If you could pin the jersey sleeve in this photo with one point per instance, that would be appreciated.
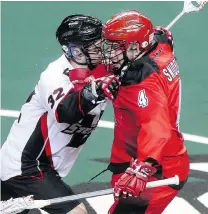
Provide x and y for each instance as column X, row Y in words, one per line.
column 62, row 100
column 152, row 118
column 51, row 90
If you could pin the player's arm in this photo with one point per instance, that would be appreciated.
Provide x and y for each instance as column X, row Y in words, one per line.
column 69, row 103
column 78, row 103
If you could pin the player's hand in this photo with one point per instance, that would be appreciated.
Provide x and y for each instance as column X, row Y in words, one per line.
column 166, row 34
column 134, row 180
column 107, row 86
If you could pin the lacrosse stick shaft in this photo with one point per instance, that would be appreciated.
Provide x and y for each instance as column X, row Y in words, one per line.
column 168, row 181
column 19, row 204
column 175, row 19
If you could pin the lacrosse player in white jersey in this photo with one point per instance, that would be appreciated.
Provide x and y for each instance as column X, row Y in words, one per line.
column 58, row 117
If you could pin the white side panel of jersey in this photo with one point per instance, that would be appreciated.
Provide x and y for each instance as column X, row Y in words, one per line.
column 19, row 135
column 31, row 112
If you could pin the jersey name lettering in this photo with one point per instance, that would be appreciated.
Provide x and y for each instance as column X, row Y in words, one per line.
column 78, row 128
column 171, row 71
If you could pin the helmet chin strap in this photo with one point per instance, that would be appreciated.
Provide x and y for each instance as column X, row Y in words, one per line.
column 88, row 59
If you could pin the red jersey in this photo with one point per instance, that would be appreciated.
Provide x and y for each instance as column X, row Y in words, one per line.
column 147, row 112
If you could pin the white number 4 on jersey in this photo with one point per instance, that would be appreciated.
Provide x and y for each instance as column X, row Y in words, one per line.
column 142, row 99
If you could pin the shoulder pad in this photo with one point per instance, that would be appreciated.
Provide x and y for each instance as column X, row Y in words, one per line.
column 139, row 70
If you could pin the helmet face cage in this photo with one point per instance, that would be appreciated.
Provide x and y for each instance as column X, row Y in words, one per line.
column 114, row 55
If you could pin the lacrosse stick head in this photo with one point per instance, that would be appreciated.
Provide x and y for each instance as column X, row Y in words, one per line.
column 17, row 205
column 193, row 6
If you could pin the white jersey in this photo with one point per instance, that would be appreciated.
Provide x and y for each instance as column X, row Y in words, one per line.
column 36, row 140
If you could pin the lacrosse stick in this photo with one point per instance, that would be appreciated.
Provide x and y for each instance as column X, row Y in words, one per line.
column 188, row 8
column 17, row 205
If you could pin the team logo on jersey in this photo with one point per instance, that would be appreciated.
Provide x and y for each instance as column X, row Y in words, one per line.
column 85, row 126
column 78, row 128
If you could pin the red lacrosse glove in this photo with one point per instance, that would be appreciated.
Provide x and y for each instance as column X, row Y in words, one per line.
column 108, row 86
column 134, row 180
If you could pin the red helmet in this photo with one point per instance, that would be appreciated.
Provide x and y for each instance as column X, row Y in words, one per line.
column 129, row 26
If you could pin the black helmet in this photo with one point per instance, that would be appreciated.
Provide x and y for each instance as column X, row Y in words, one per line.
column 79, row 30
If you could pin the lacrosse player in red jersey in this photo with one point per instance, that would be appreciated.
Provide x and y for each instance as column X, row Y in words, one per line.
column 148, row 144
